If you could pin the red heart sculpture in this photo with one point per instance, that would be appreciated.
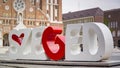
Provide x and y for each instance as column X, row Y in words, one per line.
column 18, row 39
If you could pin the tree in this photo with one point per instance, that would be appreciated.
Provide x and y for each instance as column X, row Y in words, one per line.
column 106, row 22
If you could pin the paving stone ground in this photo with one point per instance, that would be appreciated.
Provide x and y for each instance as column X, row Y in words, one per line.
column 113, row 61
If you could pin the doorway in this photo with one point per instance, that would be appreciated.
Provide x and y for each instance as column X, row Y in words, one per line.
column 6, row 39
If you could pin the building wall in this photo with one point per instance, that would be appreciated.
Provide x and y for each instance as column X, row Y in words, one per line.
column 99, row 19
column 112, row 17
column 82, row 20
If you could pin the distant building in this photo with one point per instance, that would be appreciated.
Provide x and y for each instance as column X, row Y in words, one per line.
column 84, row 16
column 112, row 19
column 36, row 13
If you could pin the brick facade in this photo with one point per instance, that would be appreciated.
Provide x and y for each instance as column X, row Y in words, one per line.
column 37, row 13
column 112, row 18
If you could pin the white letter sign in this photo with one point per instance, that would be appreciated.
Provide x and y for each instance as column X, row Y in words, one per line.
column 83, row 42
column 93, row 43
column 26, row 44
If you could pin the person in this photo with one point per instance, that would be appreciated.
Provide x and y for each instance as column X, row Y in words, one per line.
column 81, row 46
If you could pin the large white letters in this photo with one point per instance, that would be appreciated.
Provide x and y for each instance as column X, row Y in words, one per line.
column 83, row 42
column 19, row 43
column 26, row 44
column 37, row 47
column 88, row 42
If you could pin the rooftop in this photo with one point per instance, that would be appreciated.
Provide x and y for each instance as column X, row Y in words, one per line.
column 83, row 13
column 117, row 9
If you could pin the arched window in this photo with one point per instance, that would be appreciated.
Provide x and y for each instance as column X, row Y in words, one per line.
column 5, row 40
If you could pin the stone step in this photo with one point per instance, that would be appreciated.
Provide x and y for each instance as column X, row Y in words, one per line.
column 63, row 63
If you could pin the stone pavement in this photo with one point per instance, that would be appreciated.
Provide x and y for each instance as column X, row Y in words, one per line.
column 113, row 62
column 45, row 66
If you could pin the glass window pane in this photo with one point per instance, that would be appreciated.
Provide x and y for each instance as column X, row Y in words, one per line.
column 118, row 33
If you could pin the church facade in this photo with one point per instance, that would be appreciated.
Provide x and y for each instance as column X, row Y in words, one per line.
column 35, row 13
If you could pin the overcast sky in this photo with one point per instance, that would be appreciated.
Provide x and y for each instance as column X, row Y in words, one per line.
column 75, row 5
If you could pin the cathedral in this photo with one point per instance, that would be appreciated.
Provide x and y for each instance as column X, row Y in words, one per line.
column 35, row 13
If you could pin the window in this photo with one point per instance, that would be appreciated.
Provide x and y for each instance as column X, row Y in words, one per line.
column 0, row 21
column 33, row 2
column 28, row 23
column 45, row 23
column 40, row 23
column 55, row 1
column 6, row 29
column 15, row 22
column 91, row 19
column 41, row 4
column 56, row 7
column 56, row 12
column 31, row 22
column 6, row 22
column 109, row 16
column 118, row 33
column 47, row 7
column 9, row 22
column 111, row 25
column 3, row 22
column 37, row 0
column 4, row 1
column 113, row 33
column 47, row 1
column 116, row 24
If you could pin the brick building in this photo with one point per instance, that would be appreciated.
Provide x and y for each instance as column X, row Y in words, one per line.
column 112, row 19
column 84, row 16
column 35, row 13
